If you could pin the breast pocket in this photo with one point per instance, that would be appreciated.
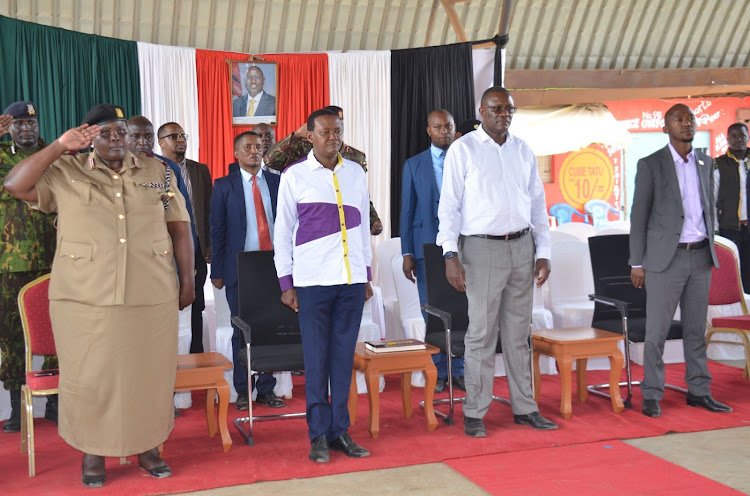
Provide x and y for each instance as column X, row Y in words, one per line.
column 88, row 192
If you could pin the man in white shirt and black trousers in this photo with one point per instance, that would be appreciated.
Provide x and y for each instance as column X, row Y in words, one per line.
column 323, row 259
column 493, row 221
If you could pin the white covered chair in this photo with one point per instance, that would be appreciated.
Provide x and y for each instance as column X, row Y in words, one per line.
column 578, row 229
column 570, row 284
column 410, row 313
column 384, row 253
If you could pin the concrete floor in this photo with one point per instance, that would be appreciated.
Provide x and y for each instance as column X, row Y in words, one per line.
column 721, row 455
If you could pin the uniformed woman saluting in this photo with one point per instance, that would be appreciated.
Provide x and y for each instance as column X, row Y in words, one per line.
column 114, row 291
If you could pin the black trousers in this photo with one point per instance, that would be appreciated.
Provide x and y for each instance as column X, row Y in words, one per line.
column 742, row 239
column 196, row 317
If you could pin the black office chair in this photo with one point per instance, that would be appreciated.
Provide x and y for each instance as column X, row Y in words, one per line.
column 447, row 321
column 618, row 305
column 270, row 329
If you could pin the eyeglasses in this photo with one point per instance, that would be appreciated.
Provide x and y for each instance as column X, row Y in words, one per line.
column 499, row 109
column 175, row 136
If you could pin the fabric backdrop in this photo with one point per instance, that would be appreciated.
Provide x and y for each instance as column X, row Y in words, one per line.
column 168, row 90
column 361, row 85
column 302, row 86
column 65, row 73
column 423, row 79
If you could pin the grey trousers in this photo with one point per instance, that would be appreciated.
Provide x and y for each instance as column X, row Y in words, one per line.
column 499, row 280
column 686, row 281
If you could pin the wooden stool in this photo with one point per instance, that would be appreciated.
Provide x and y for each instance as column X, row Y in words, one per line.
column 206, row 371
column 404, row 362
column 580, row 344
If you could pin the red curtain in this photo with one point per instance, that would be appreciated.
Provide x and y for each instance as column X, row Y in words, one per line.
column 302, row 87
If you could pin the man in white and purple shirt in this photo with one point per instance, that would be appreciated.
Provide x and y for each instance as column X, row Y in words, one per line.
column 323, row 259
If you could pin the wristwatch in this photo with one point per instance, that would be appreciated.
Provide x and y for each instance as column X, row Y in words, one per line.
column 449, row 254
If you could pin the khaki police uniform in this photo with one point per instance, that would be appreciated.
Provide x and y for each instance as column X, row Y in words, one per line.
column 113, row 301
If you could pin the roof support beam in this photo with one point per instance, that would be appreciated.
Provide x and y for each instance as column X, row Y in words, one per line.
column 556, row 87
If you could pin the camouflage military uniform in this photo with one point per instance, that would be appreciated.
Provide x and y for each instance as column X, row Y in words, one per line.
column 27, row 247
column 291, row 149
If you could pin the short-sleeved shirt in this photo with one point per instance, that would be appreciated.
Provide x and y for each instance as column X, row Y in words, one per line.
column 27, row 237
column 113, row 247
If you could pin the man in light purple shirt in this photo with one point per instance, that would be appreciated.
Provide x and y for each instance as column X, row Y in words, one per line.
column 672, row 251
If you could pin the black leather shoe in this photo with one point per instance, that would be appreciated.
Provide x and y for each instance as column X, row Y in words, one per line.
column 242, row 402
column 351, row 449
column 270, row 399
column 319, row 450
column 651, row 408
column 474, row 427
column 50, row 410
column 535, row 420
column 439, row 386
column 708, row 403
column 159, row 469
column 458, row 382
column 13, row 424
column 176, row 412
column 92, row 463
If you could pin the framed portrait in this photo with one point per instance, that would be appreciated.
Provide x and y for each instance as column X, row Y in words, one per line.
column 253, row 86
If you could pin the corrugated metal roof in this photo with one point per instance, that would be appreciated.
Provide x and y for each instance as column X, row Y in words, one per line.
column 544, row 34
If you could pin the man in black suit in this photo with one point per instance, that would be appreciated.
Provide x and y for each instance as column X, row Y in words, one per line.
column 255, row 102
column 672, row 252
column 173, row 143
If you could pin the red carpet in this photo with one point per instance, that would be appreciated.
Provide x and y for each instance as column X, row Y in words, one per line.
column 281, row 446
column 596, row 469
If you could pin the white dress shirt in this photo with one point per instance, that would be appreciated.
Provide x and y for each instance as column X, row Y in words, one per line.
column 256, row 99
column 693, row 226
column 491, row 189
column 319, row 236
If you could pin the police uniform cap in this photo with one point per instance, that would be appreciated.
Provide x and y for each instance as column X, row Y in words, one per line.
column 104, row 113
column 468, row 126
column 337, row 110
column 22, row 110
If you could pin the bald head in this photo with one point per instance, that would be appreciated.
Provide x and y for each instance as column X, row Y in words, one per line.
column 441, row 128
column 140, row 139
column 674, row 109
column 489, row 92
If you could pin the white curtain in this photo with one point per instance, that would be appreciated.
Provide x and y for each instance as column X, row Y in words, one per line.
column 169, row 92
column 483, row 62
column 360, row 83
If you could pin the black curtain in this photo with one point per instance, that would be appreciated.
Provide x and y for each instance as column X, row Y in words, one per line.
column 423, row 79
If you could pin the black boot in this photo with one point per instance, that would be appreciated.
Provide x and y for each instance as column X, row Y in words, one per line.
column 50, row 412
column 13, row 424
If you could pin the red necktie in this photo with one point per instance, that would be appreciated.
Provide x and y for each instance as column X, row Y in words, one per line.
column 264, row 234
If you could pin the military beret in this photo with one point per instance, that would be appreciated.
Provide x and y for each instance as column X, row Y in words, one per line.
column 22, row 110
column 104, row 113
column 336, row 109
column 468, row 126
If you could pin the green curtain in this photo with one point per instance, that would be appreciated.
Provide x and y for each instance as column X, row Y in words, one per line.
column 65, row 73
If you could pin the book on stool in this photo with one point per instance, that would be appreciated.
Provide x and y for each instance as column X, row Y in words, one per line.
column 394, row 345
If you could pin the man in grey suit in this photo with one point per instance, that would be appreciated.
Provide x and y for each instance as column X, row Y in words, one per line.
column 672, row 251
column 255, row 102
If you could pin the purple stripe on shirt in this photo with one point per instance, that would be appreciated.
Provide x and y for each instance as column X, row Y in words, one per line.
column 318, row 220
column 369, row 273
column 285, row 283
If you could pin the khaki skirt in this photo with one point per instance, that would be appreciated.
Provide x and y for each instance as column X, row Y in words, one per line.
column 117, row 375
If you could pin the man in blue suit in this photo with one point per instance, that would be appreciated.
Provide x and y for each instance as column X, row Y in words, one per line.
column 243, row 209
column 420, row 195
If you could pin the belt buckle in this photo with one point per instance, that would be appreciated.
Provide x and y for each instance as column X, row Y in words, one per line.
column 688, row 246
column 507, row 236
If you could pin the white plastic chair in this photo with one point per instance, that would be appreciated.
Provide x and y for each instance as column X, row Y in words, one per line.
column 571, row 282
column 384, row 253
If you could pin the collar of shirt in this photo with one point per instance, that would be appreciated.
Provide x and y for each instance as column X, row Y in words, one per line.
column 256, row 97
column 436, row 153
column 130, row 161
column 678, row 158
column 483, row 136
column 313, row 163
column 247, row 177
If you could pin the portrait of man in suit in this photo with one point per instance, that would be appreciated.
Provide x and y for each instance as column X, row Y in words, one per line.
column 257, row 102
column 671, row 255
